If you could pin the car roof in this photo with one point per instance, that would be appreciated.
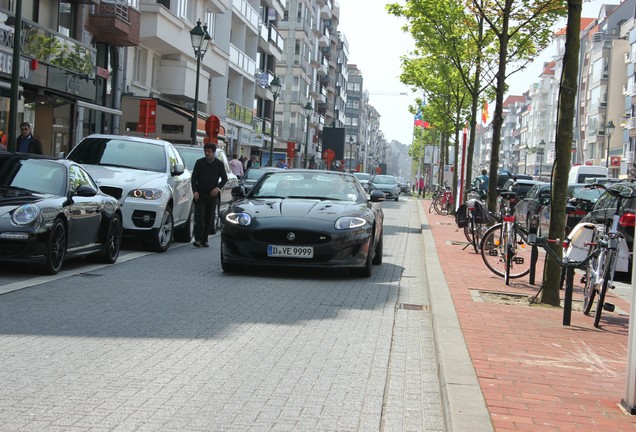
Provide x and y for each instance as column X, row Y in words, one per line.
column 129, row 138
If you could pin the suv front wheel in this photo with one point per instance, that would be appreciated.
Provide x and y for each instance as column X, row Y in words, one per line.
column 161, row 237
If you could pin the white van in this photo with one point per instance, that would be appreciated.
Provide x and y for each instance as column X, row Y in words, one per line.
column 579, row 173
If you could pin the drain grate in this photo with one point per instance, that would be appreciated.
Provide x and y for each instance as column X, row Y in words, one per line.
column 409, row 306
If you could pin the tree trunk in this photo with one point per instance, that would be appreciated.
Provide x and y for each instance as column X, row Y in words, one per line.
column 565, row 121
column 497, row 120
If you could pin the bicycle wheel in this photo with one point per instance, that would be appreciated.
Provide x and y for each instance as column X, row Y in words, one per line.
column 493, row 252
column 608, row 276
column 589, row 289
column 440, row 206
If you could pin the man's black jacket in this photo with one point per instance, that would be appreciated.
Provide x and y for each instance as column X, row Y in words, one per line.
column 207, row 175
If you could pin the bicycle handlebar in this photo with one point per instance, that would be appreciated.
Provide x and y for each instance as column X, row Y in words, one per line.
column 613, row 192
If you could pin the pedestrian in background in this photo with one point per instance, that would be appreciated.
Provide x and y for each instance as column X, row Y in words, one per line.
column 421, row 187
column 236, row 166
column 208, row 178
column 26, row 142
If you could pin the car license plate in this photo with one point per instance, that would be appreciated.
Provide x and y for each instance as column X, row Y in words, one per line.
column 290, row 251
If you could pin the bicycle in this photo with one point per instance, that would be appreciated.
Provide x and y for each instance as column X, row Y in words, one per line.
column 444, row 204
column 504, row 245
column 437, row 191
column 568, row 263
column 606, row 245
column 473, row 217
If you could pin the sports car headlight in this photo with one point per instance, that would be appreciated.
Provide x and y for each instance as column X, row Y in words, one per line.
column 239, row 218
column 25, row 214
column 349, row 222
column 149, row 194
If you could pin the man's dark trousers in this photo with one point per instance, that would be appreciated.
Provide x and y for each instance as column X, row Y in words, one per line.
column 204, row 217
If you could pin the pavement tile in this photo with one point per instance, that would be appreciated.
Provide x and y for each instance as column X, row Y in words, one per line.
column 535, row 373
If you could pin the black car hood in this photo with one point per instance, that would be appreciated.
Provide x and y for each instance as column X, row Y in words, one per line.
column 11, row 199
column 300, row 208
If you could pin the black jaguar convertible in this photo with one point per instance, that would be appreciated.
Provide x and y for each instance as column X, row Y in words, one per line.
column 304, row 218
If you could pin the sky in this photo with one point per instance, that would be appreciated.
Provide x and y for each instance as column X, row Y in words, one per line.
column 376, row 44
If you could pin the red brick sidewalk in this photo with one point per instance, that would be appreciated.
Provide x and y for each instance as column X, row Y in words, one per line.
column 535, row 373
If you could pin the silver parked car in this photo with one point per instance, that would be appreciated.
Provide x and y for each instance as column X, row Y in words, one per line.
column 149, row 179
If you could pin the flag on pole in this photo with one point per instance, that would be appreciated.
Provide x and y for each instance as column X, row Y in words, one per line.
column 418, row 121
column 484, row 113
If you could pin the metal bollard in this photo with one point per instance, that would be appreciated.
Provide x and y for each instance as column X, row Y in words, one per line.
column 533, row 228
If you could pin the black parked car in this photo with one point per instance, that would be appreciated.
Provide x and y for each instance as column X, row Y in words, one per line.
column 304, row 218
column 51, row 210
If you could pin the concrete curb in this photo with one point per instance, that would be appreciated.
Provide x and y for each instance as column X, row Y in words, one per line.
column 463, row 402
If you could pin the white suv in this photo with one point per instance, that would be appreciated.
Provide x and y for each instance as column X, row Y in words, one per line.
column 149, row 179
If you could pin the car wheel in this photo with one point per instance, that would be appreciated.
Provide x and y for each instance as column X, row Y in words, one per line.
column 377, row 257
column 112, row 243
column 185, row 232
column 226, row 266
column 55, row 248
column 365, row 271
column 162, row 237
column 397, row 198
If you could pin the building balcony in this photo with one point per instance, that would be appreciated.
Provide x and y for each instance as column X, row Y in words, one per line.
column 115, row 23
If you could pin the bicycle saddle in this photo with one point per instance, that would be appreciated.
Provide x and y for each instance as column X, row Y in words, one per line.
column 508, row 194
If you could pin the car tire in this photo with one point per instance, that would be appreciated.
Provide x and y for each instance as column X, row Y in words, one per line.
column 55, row 248
column 226, row 266
column 161, row 237
column 112, row 242
column 185, row 232
column 377, row 257
column 397, row 198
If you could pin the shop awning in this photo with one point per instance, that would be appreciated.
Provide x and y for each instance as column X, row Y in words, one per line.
column 99, row 108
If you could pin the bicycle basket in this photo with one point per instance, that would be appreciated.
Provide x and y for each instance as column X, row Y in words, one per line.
column 461, row 217
column 481, row 212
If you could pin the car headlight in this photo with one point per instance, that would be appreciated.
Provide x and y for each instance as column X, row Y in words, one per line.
column 147, row 193
column 25, row 214
column 349, row 222
column 239, row 218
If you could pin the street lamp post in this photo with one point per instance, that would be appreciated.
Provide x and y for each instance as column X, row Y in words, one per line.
column 540, row 152
column 609, row 129
column 274, row 86
column 525, row 158
column 200, row 42
column 308, row 111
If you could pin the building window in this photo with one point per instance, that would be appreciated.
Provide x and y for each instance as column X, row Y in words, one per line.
column 140, row 61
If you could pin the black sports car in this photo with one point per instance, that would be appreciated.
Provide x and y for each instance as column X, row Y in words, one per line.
column 304, row 218
column 52, row 209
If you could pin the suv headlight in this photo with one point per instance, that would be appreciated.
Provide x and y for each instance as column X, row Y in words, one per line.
column 146, row 193
column 25, row 214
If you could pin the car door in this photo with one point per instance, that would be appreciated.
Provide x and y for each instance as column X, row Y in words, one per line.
column 180, row 185
column 85, row 212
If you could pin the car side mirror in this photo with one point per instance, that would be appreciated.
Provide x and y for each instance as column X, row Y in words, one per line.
column 377, row 196
column 238, row 192
column 178, row 169
column 85, row 191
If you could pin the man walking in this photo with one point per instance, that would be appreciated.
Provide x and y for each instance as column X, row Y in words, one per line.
column 206, row 186
column 26, row 142
column 236, row 166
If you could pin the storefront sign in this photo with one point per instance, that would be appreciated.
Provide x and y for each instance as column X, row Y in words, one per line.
column 68, row 82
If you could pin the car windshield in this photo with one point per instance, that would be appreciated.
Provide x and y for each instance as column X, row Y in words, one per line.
column 40, row 176
column 384, row 179
column 362, row 176
column 122, row 153
column 586, row 194
column 319, row 185
column 254, row 173
column 191, row 155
